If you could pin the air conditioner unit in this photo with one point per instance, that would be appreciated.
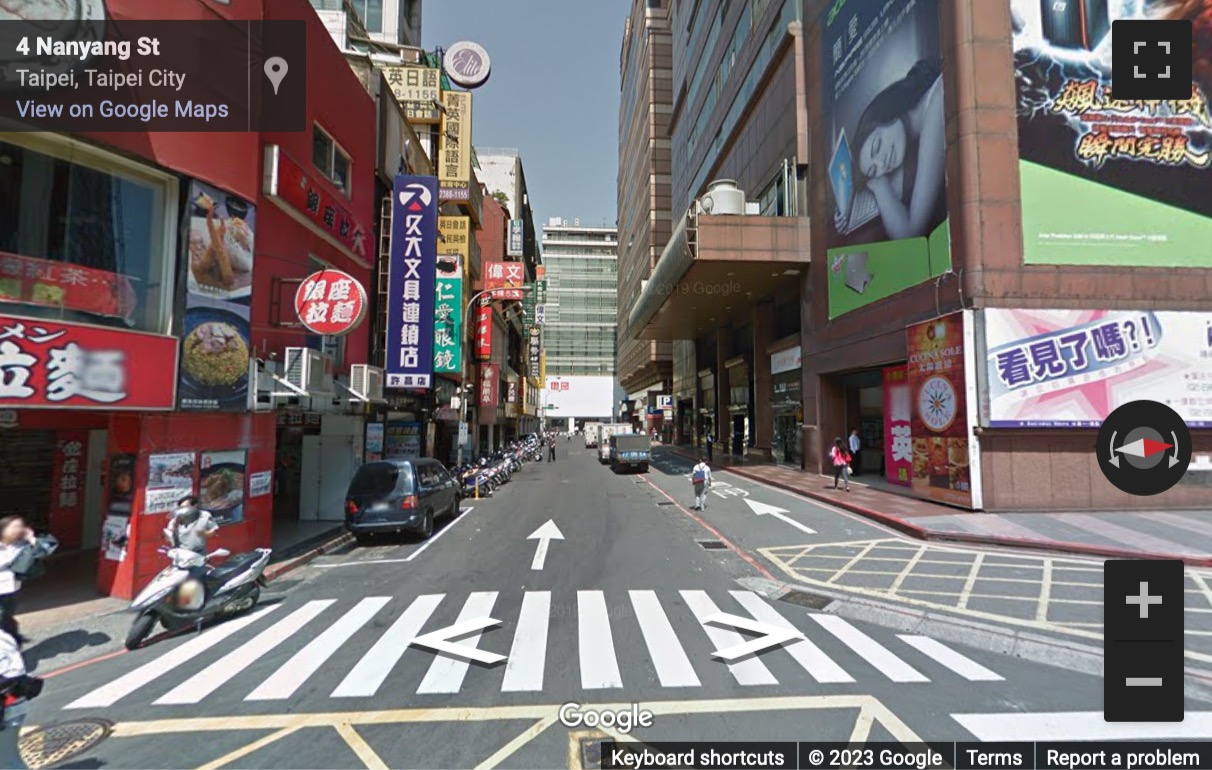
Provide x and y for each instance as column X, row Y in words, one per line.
column 723, row 197
column 366, row 382
column 304, row 369
column 264, row 385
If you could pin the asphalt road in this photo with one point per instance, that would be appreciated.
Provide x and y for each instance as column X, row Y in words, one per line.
column 323, row 674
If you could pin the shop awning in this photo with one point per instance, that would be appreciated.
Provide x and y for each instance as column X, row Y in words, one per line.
column 716, row 268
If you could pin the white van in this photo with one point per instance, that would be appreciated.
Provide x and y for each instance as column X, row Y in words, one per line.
column 591, row 434
column 604, row 434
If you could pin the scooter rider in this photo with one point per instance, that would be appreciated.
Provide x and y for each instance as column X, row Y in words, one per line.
column 190, row 526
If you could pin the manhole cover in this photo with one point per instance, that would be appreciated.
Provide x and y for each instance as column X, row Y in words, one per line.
column 804, row 599
column 51, row 745
column 712, row 545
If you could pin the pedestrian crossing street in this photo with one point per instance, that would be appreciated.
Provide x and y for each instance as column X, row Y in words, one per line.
column 641, row 640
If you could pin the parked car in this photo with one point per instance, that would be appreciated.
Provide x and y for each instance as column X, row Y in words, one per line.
column 399, row 496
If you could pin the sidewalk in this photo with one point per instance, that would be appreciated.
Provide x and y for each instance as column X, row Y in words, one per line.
column 74, row 624
column 1185, row 535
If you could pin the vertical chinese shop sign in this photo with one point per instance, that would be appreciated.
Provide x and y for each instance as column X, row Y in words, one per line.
column 898, row 429
column 454, row 249
column 940, row 429
column 448, row 316
column 484, row 329
column 411, row 284
column 67, row 487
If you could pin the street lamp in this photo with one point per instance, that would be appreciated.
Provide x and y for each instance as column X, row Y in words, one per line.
column 464, row 357
column 543, row 407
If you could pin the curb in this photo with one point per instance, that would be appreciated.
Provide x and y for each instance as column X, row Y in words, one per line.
column 1040, row 647
column 275, row 571
column 923, row 533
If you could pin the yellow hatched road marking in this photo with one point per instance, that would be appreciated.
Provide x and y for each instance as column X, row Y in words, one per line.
column 869, row 709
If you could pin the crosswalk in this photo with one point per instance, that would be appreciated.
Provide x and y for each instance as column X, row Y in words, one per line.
column 638, row 638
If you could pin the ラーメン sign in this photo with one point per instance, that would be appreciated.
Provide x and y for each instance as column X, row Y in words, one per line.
column 330, row 303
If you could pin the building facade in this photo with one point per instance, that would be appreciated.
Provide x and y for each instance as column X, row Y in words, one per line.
column 949, row 301
column 578, row 330
column 504, row 179
column 115, row 294
column 579, row 338
column 372, row 25
column 1031, row 293
column 644, row 210
column 725, row 287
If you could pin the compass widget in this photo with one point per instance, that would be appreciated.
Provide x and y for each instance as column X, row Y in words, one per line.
column 1144, row 448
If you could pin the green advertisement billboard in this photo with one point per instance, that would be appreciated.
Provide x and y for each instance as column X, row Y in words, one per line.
column 883, row 105
column 1107, row 181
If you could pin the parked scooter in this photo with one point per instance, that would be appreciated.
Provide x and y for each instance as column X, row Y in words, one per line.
column 190, row 591
column 472, row 477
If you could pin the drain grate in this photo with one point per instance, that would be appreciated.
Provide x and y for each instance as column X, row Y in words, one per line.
column 664, row 502
column 55, row 743
column 805, row 599
column 711, row 545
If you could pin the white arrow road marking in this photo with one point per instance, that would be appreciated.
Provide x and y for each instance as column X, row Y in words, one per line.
column 1080, row 726
column 762, row 509
column 439, row 641
column 771, row 635
column 544, row 534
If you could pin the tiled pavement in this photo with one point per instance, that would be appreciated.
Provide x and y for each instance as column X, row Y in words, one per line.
column 1038, row 591
column 1185, row 535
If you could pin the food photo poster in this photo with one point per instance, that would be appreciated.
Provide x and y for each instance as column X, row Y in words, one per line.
column 170, row 477
column 215, row 345
column 221, row 484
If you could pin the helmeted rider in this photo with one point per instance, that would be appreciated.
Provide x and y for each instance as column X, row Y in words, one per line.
column 190, row 527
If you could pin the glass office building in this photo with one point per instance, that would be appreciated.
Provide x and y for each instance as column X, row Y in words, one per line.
column 582, row 298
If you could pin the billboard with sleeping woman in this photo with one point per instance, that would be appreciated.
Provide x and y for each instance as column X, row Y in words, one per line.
column 884, row 116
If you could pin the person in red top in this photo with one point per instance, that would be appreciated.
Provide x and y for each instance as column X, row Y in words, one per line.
column 841, row 462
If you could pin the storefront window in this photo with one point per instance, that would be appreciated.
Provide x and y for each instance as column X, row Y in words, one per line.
column 83, row 241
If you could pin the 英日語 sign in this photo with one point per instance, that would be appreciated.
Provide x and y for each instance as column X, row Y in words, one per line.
column 417, row 89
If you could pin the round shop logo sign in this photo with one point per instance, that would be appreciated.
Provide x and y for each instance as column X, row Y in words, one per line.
column 937, row 403
column 8, row 418
column 330, row 303
column 467, row 64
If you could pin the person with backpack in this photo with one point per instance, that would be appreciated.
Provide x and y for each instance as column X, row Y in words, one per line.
column 700, row 477
column 841, row 462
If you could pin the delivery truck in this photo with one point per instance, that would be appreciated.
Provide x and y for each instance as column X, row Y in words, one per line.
column 630, row 451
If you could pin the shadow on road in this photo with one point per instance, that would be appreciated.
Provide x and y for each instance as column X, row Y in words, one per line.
column 63, row 644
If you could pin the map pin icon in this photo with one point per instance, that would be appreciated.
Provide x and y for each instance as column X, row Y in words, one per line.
column 275, row 70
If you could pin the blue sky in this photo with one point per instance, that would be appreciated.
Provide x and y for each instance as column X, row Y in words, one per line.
column 553, row 94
